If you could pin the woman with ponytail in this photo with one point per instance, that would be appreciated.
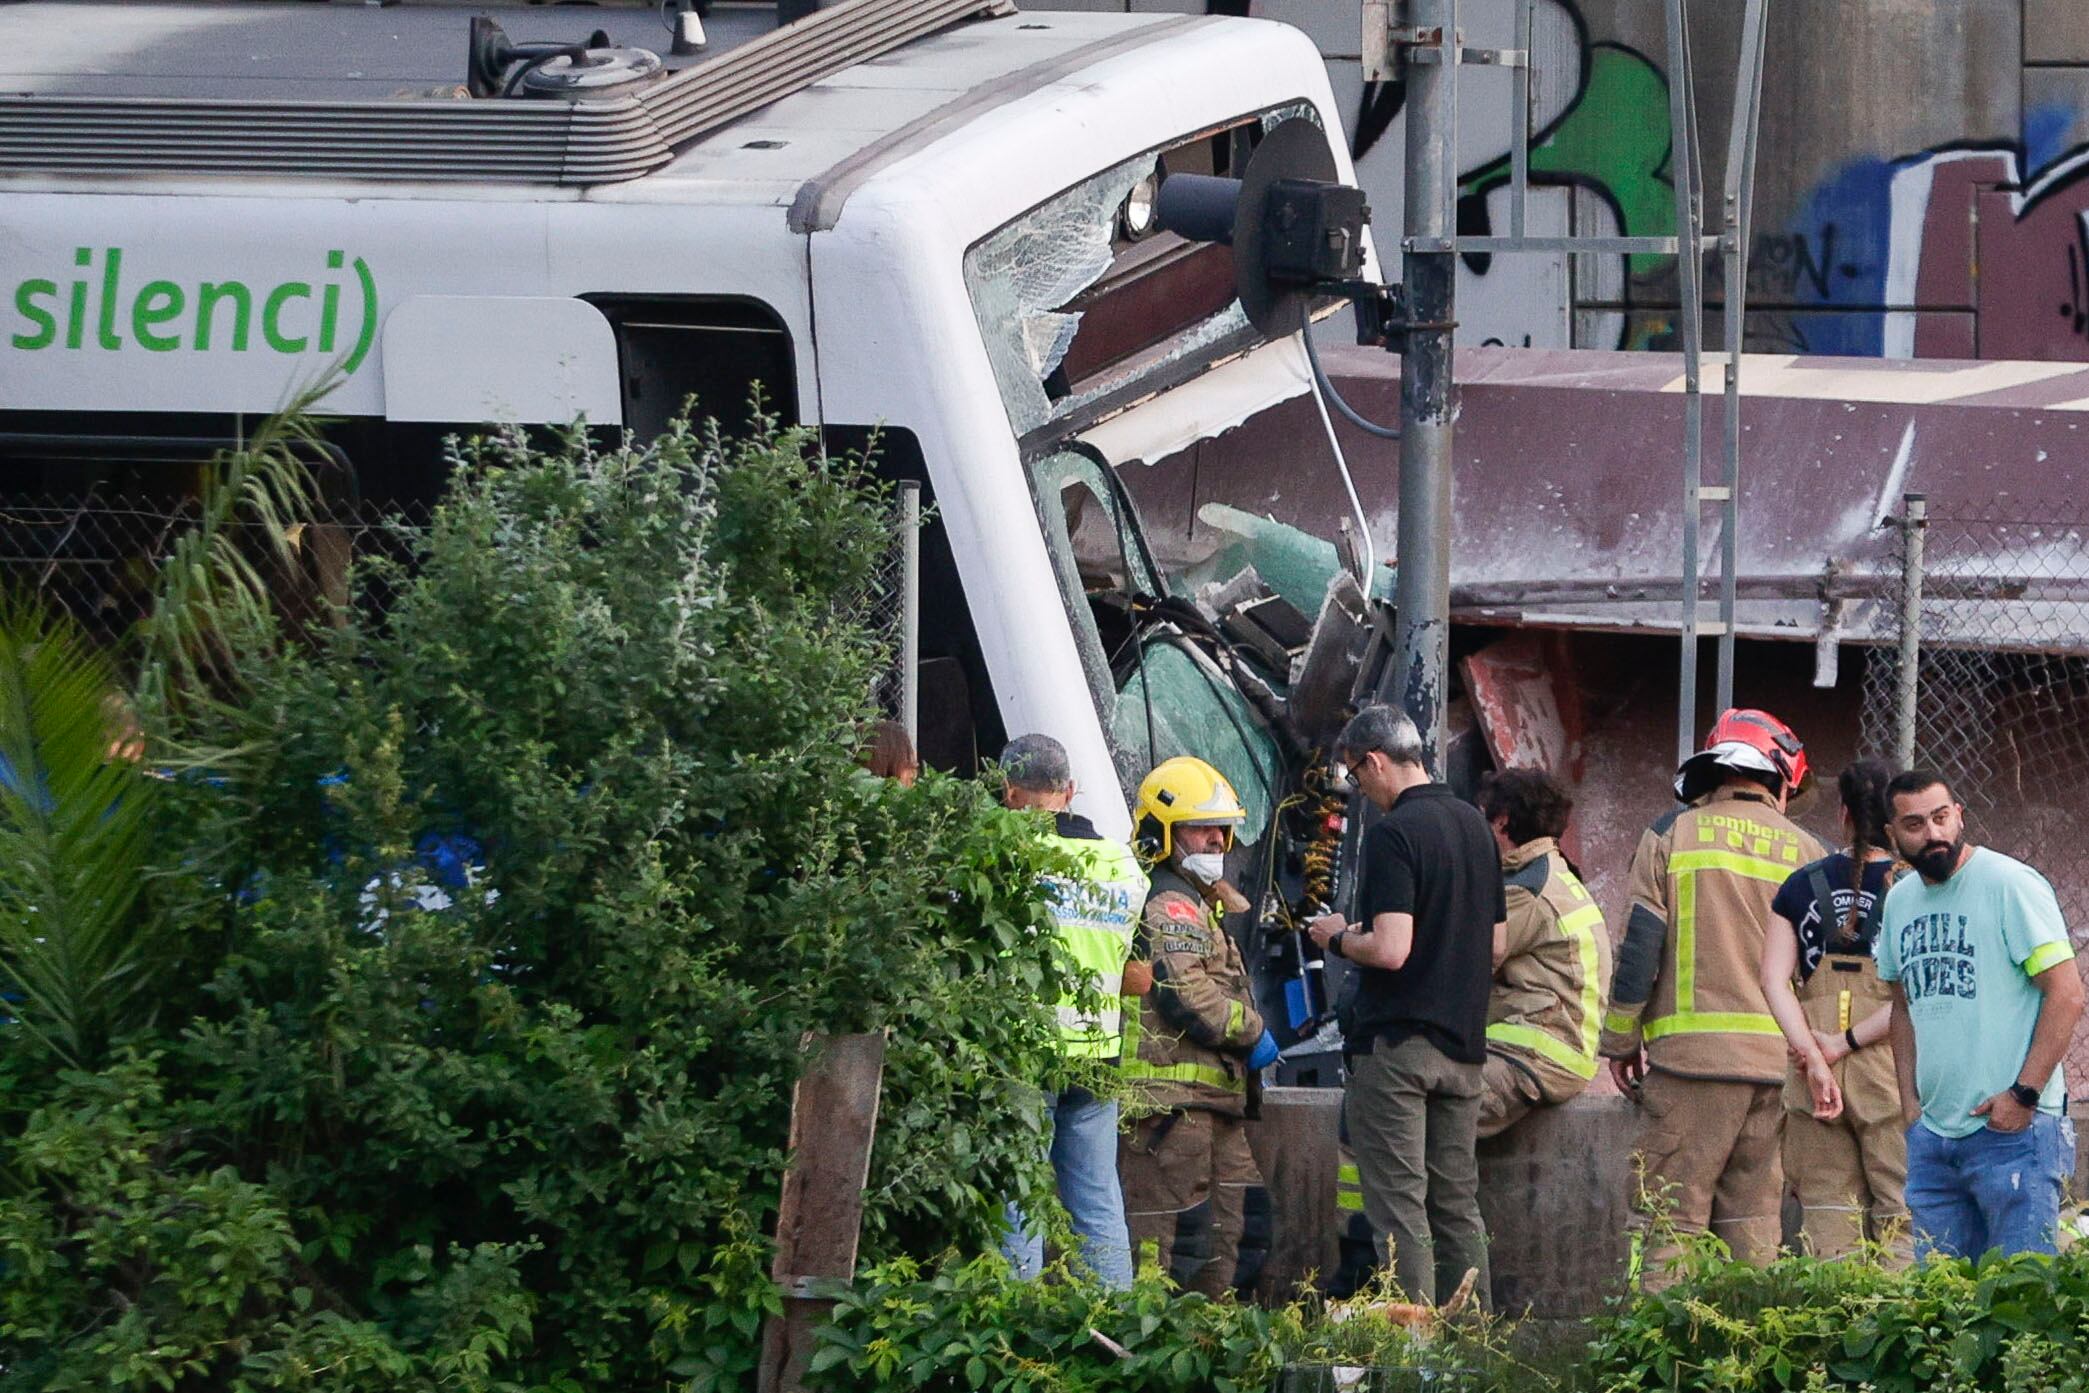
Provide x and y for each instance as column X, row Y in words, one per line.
column 1844, row 1148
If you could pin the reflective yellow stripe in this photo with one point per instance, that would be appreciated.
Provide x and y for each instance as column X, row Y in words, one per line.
column 1134, row 1067
column 2044, row 956
column 1531, row 1038
column 1686, row 941
column 1349, row 1201
column 1738, row 862
column 1346, row 1173
column 1236, row 1017
column 1620, row 1022
column 1582, row 926
column 1090, row 1037
column 1711, row 1023
column 1185, row 1073
column 1687, row 1020
column 1349, row 1188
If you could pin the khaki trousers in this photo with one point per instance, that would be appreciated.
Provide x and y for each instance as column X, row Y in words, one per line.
column 1707, row 1158
column 1172, row 1162
column 1413, row 1115
column 1849, row 1175
column 1852, row 1169
column 1508, row 1093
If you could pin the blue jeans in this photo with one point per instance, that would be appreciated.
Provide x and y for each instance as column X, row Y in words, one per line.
column 1084, row 1159
column 1989, row 1189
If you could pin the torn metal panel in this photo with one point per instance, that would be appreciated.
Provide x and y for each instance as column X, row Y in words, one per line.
column 1566, row 512
column 1515, row 699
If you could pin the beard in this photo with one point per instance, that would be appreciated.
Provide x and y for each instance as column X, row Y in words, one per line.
column 1937, row 860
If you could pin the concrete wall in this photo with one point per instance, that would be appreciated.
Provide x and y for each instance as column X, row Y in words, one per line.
column 1553, row 1191
column 1920, row 185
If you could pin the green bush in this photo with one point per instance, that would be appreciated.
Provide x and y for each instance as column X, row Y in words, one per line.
column 2017, row 1325
column 968, row 1325
column 532, row 1138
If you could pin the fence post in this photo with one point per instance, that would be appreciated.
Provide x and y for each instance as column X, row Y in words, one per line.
column 1914, row 522
column 910, row 610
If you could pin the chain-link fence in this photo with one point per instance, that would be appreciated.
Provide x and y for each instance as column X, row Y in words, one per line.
column 891, row 610
column 96, row 558
column 1994, row 691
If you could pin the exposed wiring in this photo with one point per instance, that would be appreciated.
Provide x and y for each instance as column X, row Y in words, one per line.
column 1349, row 413
column 1322, row 391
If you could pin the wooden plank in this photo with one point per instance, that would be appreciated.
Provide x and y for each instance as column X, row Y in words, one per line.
column 819, row 1218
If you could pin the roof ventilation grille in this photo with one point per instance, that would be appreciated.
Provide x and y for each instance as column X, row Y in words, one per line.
column 604, row 114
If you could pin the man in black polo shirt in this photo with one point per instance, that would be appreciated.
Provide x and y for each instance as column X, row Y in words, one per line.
column 1415, row 1029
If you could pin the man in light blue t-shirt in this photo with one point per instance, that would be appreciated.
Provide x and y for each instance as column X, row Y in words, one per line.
column 1985, row 999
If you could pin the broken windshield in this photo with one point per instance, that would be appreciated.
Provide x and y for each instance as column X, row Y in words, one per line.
column 1160, row 693
column 1080, row 299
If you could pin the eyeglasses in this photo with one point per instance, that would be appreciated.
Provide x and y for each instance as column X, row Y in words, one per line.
column 1349, row 778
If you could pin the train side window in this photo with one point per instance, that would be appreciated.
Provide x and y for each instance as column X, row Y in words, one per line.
column 718, row 350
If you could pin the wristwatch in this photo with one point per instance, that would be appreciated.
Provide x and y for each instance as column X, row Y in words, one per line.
column 1335, row 944
column 2025, row 1094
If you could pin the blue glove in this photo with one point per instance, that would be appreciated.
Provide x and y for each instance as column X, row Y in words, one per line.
column 1264, row 1053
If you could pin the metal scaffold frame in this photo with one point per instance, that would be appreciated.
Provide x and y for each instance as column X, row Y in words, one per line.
column 1434, row 49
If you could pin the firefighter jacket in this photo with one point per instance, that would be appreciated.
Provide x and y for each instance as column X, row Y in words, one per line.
column 1546, row 1010
column 1097, row 910
column 1188, row 1039
column 1688, row 976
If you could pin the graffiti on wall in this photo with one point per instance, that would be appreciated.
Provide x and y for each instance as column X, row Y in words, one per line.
column 1970, row 248
column 1598, row 166
column 1959, row 252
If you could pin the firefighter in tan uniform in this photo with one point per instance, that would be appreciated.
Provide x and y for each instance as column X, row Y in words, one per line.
column 1845, row 1143
column 1687, row 1011
column 1194, row 1040
column 1545, row 1014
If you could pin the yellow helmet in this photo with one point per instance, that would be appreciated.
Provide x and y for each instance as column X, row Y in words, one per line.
column 1183, row 792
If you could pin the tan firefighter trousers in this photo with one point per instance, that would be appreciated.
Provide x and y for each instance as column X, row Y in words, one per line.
column 1707, row 1157
column 1849, row 1172
column 1172, row 1162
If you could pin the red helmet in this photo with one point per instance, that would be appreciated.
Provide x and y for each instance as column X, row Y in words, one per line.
column 1751, row 742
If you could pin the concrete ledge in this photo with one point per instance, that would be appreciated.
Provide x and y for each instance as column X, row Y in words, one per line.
column 1553, row 1191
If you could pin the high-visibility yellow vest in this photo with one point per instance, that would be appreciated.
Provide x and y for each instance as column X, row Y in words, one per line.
column 1097, row 915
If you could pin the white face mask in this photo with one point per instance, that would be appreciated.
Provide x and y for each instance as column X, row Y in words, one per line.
column 1205, row 867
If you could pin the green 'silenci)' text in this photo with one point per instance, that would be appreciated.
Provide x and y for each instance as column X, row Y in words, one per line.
column 98, row 310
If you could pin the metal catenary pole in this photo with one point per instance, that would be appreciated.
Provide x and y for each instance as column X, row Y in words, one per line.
column 1428, row 403
column 1684, row 171
column 1738, row 208
column 1914, row 523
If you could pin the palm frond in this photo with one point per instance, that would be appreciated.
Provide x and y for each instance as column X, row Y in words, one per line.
column 74, row 951
column 212, row 597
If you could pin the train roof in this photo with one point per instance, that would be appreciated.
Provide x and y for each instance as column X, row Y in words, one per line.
column 366, row 92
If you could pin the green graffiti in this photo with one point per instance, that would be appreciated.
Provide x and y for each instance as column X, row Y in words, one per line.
column 1614, row 137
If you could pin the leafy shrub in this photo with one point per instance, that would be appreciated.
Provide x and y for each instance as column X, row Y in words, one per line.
column 968, row 1325
column 2017, row 1325
column 393, row 1123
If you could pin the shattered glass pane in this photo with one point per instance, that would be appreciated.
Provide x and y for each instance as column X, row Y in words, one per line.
column 1194, row 708
column 1021, row 275
column 1021, row 278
